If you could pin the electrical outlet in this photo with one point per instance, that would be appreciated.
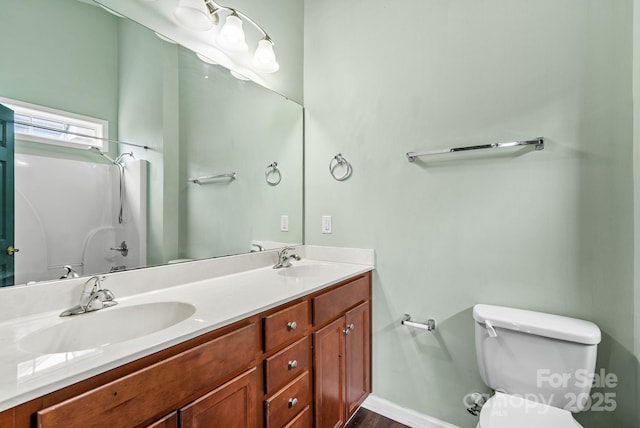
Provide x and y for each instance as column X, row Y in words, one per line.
column 284, row 223
column 326, row 224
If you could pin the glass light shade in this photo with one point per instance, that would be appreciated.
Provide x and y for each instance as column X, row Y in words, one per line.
column 206, row 59
column 231, row 35
column 265, row 59
column 239, row 76
column 193, row 14
column 164, row 38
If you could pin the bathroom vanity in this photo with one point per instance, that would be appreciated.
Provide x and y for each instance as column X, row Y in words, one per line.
column 277, row 361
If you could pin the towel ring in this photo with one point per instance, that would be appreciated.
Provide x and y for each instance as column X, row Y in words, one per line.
column 272, row 169
column 336, row 161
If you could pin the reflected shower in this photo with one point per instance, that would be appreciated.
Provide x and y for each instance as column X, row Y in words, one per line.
column 118, row 162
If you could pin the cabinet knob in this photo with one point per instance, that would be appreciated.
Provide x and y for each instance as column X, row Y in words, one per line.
column 292, row 325
column 11, row 250
column 293, row 364
column 348, row 330
column 293, row 402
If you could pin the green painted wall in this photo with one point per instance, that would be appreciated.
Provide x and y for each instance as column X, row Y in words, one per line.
column 548, row 231
column 149, row 115
column 62, row 55
column 228, row 125
column 195, row 126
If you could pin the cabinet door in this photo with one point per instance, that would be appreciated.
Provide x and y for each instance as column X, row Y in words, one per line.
column 169, row 421
column 233, row 405
column 329, row 375
column 357, row 356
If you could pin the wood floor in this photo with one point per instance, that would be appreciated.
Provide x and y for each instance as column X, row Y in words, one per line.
column 367, row 419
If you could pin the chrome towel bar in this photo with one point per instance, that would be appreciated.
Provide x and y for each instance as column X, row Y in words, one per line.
column 429, row 326
column 537, row 143
column 199, row 180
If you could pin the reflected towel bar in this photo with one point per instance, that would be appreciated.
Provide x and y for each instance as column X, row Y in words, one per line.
column 429, row 326
column 538, row 144
column 199, row 180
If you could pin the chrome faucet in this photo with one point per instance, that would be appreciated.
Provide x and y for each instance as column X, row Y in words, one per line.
column 284, row 258
column 258, row 246
column 93, row 298
column 70, row 273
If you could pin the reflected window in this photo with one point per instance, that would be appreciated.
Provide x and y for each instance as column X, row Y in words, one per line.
column 50, row 126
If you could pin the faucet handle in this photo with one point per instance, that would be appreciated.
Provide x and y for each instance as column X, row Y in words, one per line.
column 108, row 295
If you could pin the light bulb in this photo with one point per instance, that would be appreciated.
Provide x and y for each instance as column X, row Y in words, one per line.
column 231, row 35
column 193, row 14
column 265, row 59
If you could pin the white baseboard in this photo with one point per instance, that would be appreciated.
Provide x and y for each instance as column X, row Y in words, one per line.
column 400, row 414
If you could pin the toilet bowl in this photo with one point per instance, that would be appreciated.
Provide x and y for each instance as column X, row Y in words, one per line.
column 519, row 352
column 511, row 411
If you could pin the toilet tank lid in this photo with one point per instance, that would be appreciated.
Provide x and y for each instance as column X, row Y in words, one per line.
column 538, row 323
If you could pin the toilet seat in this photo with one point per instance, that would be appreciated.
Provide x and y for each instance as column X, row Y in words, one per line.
column 510, row 411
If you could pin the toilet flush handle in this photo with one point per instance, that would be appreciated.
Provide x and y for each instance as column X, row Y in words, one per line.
column 490, row 329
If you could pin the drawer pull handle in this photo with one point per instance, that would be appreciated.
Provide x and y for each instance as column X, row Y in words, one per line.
column 292, row 325
column 293, row 364
column 293, row 402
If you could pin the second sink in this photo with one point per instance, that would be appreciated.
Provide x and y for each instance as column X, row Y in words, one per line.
column 305, row 271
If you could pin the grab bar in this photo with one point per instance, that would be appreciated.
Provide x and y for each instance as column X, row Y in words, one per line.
column 429, row 326
column 538, row 144
column 199, row 180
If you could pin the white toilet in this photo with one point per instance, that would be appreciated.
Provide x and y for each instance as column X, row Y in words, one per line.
column 540, row 366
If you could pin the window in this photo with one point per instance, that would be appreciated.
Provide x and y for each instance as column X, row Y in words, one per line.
column 49, row 126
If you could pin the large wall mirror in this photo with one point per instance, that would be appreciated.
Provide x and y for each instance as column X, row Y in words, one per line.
column 125, row 206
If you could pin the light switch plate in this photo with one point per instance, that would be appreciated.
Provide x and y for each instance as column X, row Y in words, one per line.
column 326, row 224
column 284, row 223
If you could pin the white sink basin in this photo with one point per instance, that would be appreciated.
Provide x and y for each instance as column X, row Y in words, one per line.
column 306, row 271
column 106, row 326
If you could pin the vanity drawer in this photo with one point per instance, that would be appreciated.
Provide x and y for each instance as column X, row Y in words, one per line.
column 285, row 404
column 285, row 325
column 334, row 303
column 287, row 364
column 303, row 420
column 151, row 392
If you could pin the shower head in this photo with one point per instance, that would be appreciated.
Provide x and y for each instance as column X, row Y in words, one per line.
column 116, row 161
column 103, row 154
column 121, row 155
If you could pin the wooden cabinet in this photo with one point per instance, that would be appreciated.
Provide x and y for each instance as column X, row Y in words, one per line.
column 287, row 378
column 233, row 405
column 303, row 420
column 342, row 361
column 169, row 421
column 329, row 375
column 304, row 364
column 357, row 357
column 285, row 325
column 152, row 392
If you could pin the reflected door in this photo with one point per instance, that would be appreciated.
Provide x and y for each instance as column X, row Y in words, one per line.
column 6, row 197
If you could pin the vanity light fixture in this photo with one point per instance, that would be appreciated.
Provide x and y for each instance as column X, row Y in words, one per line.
column 203, row 15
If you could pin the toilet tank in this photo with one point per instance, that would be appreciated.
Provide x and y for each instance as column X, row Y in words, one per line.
column 545, row 358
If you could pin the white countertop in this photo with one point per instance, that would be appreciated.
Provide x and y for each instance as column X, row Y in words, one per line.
column 218, row 301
